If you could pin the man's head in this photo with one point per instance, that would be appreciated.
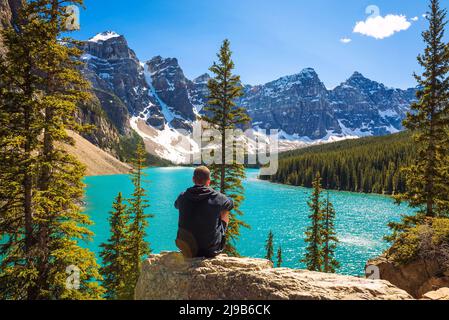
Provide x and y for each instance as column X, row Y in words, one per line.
column 201, row 176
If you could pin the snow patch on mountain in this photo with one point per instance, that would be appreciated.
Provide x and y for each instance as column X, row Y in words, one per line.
column 104, row 36
column 167, row 143
column 160, row 101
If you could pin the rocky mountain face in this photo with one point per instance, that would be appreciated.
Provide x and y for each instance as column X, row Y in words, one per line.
column 158, row 93
column 172, row 87
column 300, row 105
column 169, row 276
column 117, row 77
column 9, row 10
column 366, row 107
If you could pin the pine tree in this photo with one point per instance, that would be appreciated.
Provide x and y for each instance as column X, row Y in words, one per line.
column 279, row 257
column 19, row 132
column 115, row 254
column 138, row 246
column 269, row 247
column 426, row 179
column 330, row 240
column 223, row 114
column 314, row 234
column 47, row 215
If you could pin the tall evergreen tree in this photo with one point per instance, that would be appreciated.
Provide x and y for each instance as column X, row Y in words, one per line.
column 330, row 240
column 47, row 216
column 427, row 186
column 314, row 234
column 269, row 247
column 279, row 257
column 223, row 114
column 138, row 246
column 19, row 130
column 427, row 179
column 115, row 254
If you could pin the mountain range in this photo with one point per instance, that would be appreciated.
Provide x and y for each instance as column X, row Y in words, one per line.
column 158, row 93
column 155, row 99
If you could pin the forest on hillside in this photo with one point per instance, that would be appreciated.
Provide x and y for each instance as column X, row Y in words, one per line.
column 370, row 165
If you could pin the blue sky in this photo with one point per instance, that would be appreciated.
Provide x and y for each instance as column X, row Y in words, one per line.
column 269, row 39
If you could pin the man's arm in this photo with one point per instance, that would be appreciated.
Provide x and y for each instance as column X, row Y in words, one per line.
column 177, row 201
column 228, row 205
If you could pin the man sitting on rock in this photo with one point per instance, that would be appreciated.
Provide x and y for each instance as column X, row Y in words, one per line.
column 203, row 218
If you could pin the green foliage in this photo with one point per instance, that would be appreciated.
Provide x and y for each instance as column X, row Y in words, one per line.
column 405, row 248
column 330, row 240
column 314, row 234
column 279, row 257
column 428, row 240
column 41, row 185
column 320, row 235
column 363, row 165
column 427, row 178
column 138, row 246
column 269, row 247
column 427, row 189
column 115, row 254
column 222, row 114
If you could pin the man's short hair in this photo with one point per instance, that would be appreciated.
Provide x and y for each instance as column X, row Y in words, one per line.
column 201, row 175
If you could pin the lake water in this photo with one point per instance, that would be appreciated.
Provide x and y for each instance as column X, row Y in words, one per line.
column 361, row 219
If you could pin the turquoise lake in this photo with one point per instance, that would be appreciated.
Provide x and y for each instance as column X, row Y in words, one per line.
column 361, row 219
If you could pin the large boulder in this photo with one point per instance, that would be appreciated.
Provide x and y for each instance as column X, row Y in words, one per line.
column 170, row 276
column 441, row 294
column 416, row 277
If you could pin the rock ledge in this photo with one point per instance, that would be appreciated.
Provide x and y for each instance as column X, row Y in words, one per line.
column 169, row 276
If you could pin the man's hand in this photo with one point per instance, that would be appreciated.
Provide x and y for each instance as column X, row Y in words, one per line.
column 225, row 216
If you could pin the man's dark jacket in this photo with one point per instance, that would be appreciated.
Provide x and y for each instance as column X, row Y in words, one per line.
column 201, row 231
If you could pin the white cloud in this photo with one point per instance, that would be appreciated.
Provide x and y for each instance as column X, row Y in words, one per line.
column 345, row 40
column 414, row 19
column 382, row 27
column 424, row 15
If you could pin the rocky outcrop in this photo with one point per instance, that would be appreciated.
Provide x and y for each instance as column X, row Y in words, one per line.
column 417, row 277
column 369, row 107
column 170, row 276
column 103, row 134
column 117, row 77
column 441, row 294
column 302, row 107
column 9, row 9
column 171, row 86
column 297, row 104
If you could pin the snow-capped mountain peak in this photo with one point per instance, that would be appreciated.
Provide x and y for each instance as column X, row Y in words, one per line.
column 104, row 36
column 309, row 73
column 158, row 94
column 202, row 79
